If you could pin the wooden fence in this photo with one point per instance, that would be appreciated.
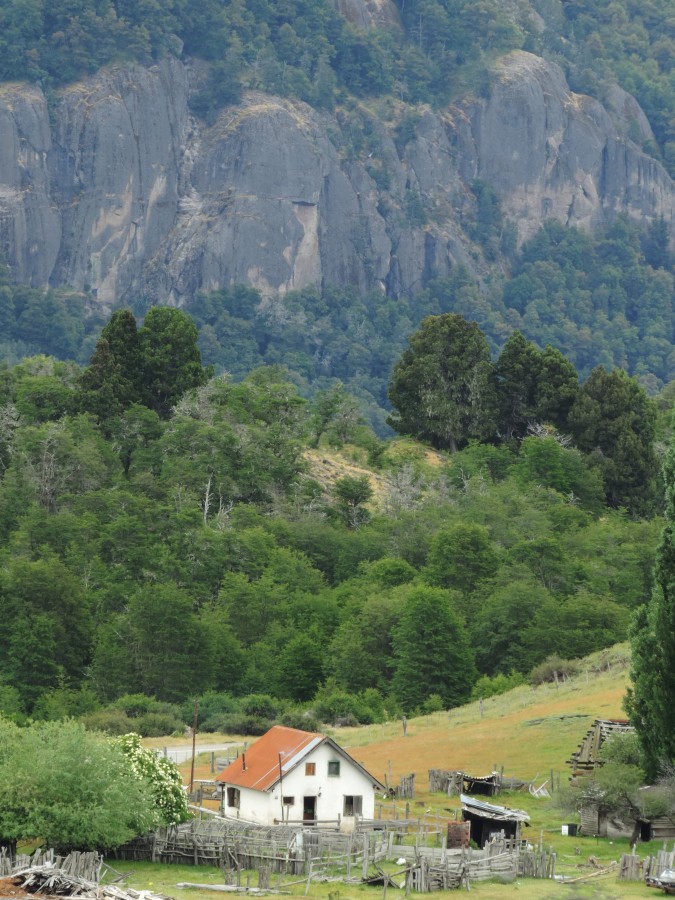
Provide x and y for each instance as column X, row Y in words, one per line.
column 502, row 858
column 237, row 846
column 633, row 868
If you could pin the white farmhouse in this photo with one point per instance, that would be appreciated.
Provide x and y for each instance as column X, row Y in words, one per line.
column 297, row 776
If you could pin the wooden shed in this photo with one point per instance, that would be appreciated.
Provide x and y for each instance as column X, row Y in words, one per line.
column 597, row 821
column 488, row 820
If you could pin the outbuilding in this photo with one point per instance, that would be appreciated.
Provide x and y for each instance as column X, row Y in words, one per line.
column 488, row 820
column 301, row 777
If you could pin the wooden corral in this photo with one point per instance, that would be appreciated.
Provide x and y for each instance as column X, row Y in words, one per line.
column 238, row 846
column 501, row 858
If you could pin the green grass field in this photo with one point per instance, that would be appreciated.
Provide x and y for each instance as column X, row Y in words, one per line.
column 530, row 732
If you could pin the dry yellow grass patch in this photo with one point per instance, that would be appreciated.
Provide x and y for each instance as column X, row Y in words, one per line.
column 528, row 731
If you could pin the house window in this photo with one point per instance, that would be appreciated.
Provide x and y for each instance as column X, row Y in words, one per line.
column 233, row 795
column 353, row 805
column 333, row 768
column 288, row 801
column 310, row 768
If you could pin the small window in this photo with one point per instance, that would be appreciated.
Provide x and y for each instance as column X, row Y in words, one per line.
column 333, row 768
column 353, row 805
column 310, row 768
column 233, row 795
column 288, row 801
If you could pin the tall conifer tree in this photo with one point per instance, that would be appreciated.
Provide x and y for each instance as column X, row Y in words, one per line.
column 651, row 703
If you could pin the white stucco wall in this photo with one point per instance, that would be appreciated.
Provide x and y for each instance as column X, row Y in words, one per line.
column 264, row 807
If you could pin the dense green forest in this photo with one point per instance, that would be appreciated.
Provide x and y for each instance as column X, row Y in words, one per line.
column 603, row 299
column 172, row 535
column 306, row 49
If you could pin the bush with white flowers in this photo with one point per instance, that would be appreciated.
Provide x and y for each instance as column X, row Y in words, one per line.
column 163, row 776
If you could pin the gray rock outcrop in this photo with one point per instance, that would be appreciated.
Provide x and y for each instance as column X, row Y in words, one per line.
column 118, row 190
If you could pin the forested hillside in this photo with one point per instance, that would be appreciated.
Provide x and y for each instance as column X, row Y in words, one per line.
column 389, row 371
column 170, row 534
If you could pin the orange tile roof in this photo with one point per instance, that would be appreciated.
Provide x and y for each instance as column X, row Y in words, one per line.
column 258, row 767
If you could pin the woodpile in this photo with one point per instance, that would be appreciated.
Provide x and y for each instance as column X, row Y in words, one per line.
column 76, row 875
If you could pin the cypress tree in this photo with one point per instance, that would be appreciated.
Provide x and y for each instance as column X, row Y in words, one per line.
column 651, row 701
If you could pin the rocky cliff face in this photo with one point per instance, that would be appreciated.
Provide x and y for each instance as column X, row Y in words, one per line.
column 118, row 190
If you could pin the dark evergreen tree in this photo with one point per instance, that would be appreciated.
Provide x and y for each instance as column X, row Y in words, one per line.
column 517, row 374
column 655, row 244
column 557, row 388
column 442, row 387
column 615, row 420
column 105, row 389
column 652, row 699
column 171, row 361
column 432, row 652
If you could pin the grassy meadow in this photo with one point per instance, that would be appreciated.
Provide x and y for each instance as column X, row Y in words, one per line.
column 530, row 732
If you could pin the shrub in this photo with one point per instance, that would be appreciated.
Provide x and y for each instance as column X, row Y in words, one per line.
column 433, row 703
column 493, row 685
column 162, row 775
column 338, row 707
column 554, row 669
column 157, row 724
column 260, row 706
column 305, row 719
column 111, row 721
column 138, row 705
column 240, row 723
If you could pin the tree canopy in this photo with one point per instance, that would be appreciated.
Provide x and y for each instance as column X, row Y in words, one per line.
column 203, row 550
column 71, row 788
column 442, row 387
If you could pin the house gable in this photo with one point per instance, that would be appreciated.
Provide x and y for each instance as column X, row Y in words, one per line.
column 291, row 775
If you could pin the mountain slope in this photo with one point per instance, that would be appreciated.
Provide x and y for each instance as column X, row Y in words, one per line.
column 119, row 191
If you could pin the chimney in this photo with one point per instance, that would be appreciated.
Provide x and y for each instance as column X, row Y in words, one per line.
column 243, row 761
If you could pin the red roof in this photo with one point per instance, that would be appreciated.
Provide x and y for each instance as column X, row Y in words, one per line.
column 258, row 767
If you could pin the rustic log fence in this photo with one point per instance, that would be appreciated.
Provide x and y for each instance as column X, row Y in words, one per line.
column 406, row 789
column 503, row 858
column 633, row 868
column 235, row 846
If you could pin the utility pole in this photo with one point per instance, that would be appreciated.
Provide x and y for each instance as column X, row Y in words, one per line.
column 195, row 721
